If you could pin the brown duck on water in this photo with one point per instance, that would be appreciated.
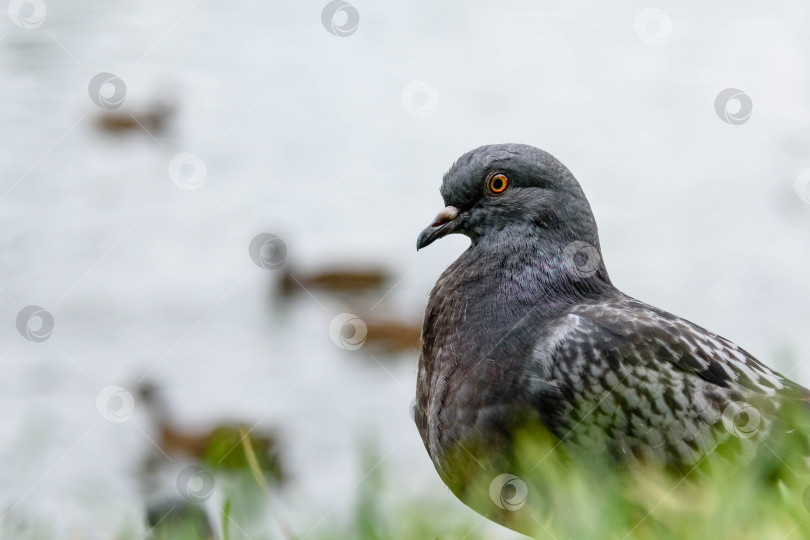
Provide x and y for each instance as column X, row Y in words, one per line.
column 222, row 447
column 334, row 280
column 154, row 119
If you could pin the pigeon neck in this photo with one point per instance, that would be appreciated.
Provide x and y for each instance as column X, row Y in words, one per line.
column 538, row 269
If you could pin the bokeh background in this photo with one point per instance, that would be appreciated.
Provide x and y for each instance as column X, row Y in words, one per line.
column 128, row 204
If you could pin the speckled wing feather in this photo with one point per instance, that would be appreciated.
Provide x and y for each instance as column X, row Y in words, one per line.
column 624, row 377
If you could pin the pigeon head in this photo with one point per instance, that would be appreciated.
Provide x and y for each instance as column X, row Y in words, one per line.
column 515, row 191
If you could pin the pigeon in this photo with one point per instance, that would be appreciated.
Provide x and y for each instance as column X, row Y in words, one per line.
column 526, row 328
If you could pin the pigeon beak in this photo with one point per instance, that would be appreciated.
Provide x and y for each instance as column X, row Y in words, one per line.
column 442, row 225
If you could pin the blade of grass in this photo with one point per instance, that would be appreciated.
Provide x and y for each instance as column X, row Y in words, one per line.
column 250, row 454
column 226, row 514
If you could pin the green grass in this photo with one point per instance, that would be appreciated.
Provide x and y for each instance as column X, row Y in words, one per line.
column 767, row 497
column 721, row 496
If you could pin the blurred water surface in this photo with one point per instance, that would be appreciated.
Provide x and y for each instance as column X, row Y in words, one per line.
column 308, row 136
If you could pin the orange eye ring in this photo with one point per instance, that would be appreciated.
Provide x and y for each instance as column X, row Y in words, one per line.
column 498, row 183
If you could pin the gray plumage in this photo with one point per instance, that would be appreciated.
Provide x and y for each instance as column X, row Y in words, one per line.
column 526, row 326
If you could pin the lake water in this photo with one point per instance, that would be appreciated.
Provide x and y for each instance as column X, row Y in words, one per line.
column 337, row 145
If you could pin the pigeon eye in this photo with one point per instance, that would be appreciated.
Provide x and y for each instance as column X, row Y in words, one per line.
column 498, row 183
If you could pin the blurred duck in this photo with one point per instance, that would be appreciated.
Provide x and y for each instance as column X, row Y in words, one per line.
column 220, row 448
column 391, row 336
column 384, row 336
column 334, row 280
column 154, row 119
